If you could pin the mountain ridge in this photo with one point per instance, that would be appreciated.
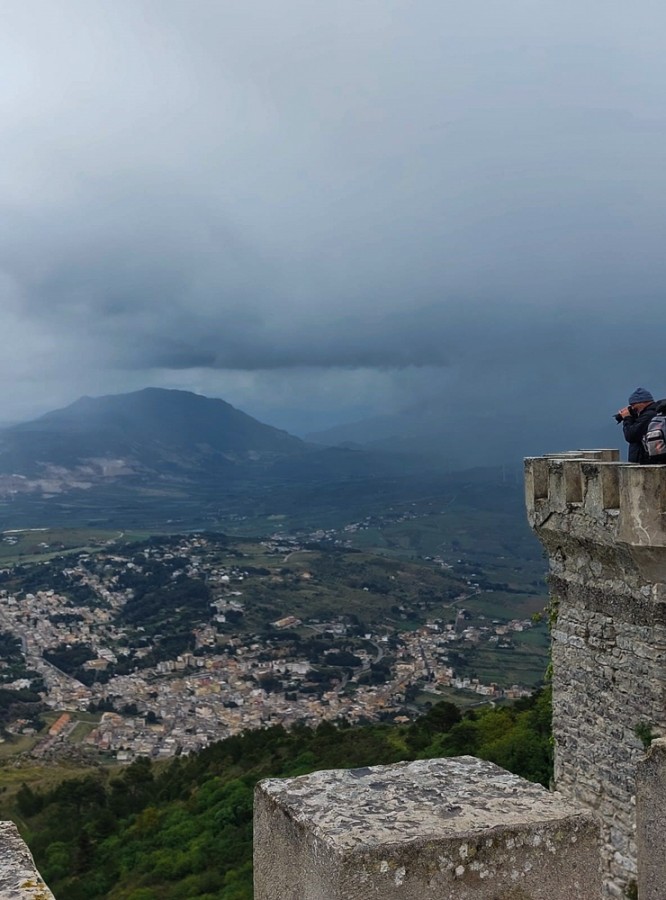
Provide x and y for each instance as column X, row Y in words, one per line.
column 151, row 426
column 119, row 449
column 149, row 407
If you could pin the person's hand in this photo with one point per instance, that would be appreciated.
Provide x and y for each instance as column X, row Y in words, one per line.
column 626, row 412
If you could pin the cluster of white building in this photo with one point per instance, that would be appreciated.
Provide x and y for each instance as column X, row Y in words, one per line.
column 182, row 704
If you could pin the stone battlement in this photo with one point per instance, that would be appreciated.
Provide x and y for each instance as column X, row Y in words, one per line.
column 606, row 500
column 588, row 497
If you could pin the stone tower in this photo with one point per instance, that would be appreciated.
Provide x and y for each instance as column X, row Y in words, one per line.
column 603, row 525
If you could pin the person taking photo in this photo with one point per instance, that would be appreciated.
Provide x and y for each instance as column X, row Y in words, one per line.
column 635, row 419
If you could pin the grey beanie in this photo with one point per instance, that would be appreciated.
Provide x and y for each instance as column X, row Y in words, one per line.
column 640, row 395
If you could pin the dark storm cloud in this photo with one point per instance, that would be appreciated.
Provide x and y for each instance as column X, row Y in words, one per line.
column 331, row 203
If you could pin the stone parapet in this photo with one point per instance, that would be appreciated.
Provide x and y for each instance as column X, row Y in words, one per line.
column 592, row 497
column 448, row 828
column 19, row 879
column 585, row 483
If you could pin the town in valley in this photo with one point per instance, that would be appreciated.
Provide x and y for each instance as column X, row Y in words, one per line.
column 161, row 645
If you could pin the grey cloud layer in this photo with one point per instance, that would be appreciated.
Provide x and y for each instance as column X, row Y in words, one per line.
column 193, row 190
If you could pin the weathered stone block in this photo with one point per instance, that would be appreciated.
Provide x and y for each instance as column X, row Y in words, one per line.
column 19, row 879
column 449, row 828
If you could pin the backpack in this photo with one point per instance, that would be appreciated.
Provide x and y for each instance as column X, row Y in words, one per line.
column 654, row 442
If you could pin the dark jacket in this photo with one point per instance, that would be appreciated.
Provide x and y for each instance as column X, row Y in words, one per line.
column 635, row 428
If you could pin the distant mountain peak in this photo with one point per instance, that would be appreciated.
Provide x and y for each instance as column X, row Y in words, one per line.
column 153, row 429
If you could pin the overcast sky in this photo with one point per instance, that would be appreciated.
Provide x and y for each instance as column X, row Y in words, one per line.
column 323, row 210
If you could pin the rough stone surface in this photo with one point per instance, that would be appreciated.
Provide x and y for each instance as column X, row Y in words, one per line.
column 651, row 822
column 19, row 879
column 452, row 828
column 603, row 526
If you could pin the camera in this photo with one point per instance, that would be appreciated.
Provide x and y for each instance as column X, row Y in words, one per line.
column 627, row 411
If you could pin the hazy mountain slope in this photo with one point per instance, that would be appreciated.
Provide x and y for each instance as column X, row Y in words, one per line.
column 158, row 455
column 147, row 429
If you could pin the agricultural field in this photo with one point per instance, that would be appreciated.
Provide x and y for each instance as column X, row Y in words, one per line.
column 36, row 544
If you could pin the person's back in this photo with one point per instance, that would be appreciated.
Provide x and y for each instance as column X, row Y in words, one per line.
column 635, row 419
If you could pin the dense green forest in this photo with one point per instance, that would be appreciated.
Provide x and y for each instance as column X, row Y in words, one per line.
column 183, row 830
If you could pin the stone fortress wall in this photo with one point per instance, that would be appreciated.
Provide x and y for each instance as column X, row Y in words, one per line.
column 603, row 525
